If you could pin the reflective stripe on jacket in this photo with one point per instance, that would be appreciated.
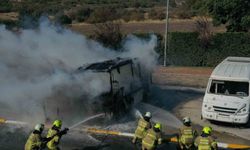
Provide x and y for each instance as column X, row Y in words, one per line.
column 205, row 143
column 151, row 139
column 187, row 135
column 142, row 127
column 53, row 143
column 34, row 142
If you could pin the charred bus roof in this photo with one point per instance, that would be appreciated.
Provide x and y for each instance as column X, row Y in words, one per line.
column 106, row 66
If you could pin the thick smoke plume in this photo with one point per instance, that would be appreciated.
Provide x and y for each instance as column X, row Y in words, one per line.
column 37, row 64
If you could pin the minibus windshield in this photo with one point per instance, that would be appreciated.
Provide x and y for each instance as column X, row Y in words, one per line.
column 232, row 88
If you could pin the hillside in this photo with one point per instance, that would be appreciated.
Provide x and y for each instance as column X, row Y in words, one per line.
column 97, row 11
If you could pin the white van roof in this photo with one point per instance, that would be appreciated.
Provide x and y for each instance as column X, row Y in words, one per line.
column 233, row 68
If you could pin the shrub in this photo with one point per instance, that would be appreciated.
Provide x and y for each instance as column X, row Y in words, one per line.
column 136, row 15
column 109, row 34
column 157, row 13
column 9, row 23
column 5, row 6
column 228, row 44
column 205, row 33
column 83, row 14
column 102, row 15
column 63, row 19
column 185, row 50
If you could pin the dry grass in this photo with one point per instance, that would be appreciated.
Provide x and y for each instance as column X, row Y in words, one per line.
column 182, row 76
column 9, row 16
column 147, row 26
column 187, row 25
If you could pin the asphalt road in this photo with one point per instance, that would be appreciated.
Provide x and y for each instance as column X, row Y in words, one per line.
column 168, row 105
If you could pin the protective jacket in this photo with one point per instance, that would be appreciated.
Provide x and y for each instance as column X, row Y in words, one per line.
column 205, row 142
column 151, row 139
column 34, row 141
column 54, row 142
column 187, row 136
column 142, row 127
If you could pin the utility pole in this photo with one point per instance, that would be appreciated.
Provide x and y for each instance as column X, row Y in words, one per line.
column 166, row 36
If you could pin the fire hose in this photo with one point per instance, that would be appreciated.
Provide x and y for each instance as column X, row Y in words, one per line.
column 173, row 139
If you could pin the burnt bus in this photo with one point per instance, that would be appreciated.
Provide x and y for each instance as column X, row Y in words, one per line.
column 111, row 86
column 125, row 84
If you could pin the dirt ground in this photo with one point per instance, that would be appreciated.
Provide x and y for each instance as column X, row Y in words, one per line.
column 9, row 16
column 182, row 76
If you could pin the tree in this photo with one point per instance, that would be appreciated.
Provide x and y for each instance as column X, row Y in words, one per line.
column 5, row 6
column 234, row 13
column 205, row 37
column 109, row 34
column 64, row 19
column 203, row 29
column 83, row 13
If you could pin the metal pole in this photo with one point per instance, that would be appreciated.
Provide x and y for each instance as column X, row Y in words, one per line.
column 166, row 36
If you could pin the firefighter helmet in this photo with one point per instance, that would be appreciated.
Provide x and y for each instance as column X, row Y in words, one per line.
column 39, row 127
column 186, row 120
column 57, row 123
column 207, row 130
column 157, row 126
column 148, row 114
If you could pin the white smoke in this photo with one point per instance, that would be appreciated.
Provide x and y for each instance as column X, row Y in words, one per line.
column 35, row 63
column 141, row 49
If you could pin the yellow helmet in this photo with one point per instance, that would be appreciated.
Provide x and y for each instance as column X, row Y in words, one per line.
column 157, row 126
column 207, row 130
column 57, row 123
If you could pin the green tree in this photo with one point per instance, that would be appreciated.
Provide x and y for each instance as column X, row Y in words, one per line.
column 5, row 6
column 234, row 13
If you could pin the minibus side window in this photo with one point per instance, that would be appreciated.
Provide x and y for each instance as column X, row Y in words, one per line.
column 212, row 87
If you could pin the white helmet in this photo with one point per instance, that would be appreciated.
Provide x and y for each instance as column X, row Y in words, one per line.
column 148, row 114
column 186, row 120
column 39, row 127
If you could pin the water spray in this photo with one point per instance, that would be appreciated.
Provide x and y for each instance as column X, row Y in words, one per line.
column 138, row 114
column 4, row 121
column 14, row 122
column 85, row 120
column 160, row 115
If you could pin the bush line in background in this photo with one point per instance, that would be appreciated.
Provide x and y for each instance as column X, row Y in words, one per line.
column 185, row 48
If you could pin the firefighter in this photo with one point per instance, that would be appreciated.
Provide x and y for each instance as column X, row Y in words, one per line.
column 187, row 135
column 152, row 138
column 205, row 141
column 143, row 125
column 35, row 140
column 56, row 133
